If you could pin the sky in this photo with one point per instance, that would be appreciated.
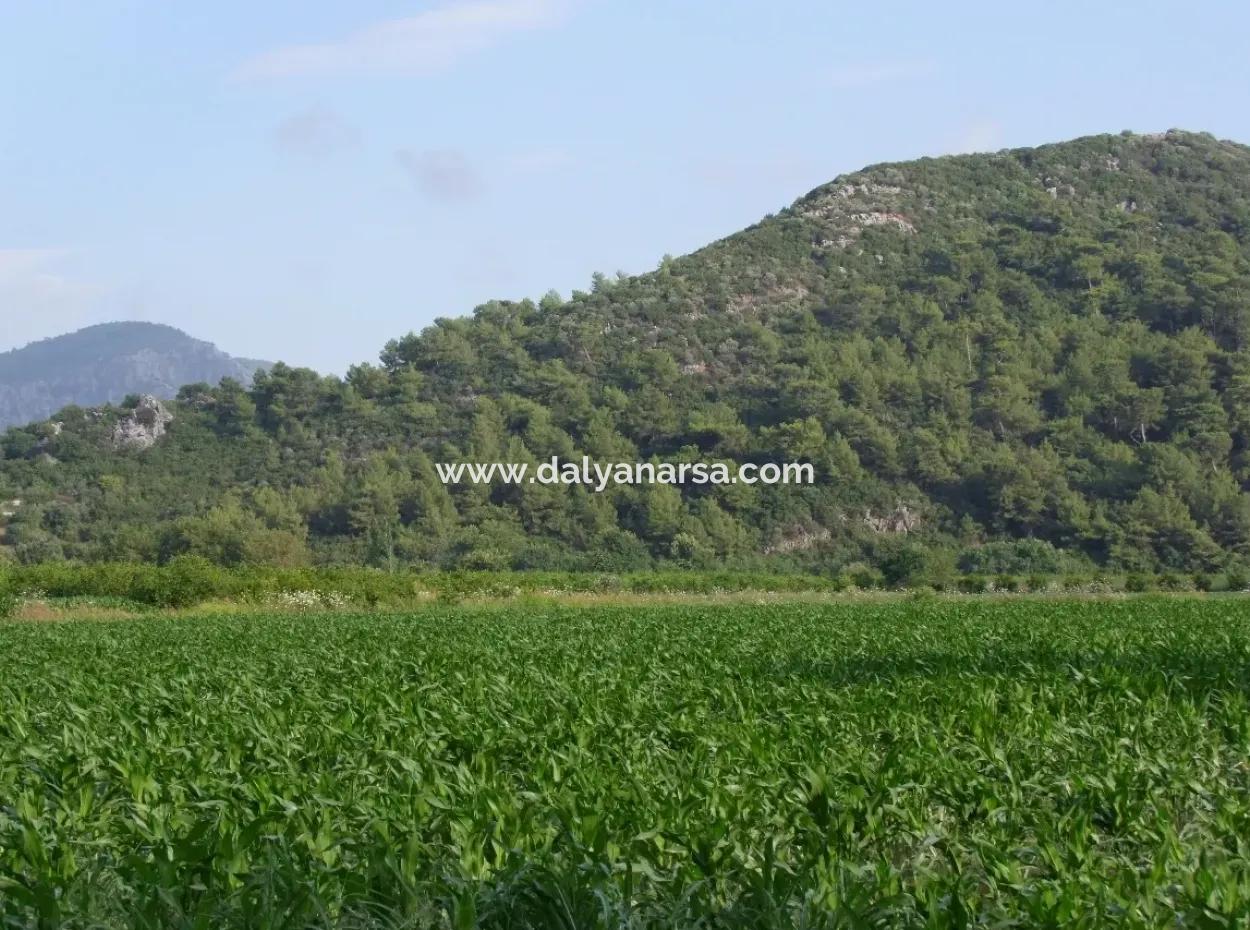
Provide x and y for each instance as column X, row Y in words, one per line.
column 304, row 180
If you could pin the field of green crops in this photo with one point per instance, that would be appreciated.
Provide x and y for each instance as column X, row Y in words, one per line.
column 927, row 763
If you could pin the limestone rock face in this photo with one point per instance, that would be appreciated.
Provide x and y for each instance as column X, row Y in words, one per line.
column 902, row 519
column 144, row 426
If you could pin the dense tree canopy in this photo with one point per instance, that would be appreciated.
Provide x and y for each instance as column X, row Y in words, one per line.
column 1027, row 359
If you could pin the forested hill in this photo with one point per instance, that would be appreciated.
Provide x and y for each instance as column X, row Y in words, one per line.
column 1021, row 361
column 105, row 363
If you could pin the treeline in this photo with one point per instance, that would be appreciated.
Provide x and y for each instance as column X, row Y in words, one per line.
column 1044, row 347
column 191, row 581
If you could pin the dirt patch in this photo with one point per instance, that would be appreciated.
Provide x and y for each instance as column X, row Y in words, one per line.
column 43, row 612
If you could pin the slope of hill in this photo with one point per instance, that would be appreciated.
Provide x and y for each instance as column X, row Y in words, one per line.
column 103, row 364
column 1009, row 362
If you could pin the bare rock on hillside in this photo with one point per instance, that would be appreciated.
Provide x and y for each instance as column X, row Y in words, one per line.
column 902, row 519
column 145, row 424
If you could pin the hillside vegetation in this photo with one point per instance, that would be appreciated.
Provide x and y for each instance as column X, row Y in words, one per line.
column 1028, row 361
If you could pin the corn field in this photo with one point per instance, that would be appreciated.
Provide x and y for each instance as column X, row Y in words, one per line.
column 926, row 763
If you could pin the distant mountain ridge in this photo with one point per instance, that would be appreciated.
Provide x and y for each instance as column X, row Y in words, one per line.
column 104, row 363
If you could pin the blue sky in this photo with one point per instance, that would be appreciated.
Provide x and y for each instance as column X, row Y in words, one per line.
column 305, row 180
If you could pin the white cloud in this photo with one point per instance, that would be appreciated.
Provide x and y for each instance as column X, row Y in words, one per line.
column 422, row 44
column 317, row 131
column 37, row 299
column 445, row 175
column 868, row 73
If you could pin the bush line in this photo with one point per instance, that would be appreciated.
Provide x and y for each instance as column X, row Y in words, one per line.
column 190, row 580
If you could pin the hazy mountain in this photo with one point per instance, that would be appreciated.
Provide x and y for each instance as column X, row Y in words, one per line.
column 1009, row 361
column 103, row 364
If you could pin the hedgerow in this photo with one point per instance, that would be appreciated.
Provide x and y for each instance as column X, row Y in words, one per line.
column 188, row 581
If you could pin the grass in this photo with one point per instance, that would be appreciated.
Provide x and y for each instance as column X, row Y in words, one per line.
column 936, row 762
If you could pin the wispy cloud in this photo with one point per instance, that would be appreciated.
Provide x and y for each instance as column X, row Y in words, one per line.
column 422, row 44
column 444, row 175
column 317, row 131
column 869, row 73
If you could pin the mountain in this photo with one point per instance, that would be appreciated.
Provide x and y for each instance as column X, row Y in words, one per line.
column 1027, row 361
column 103, row 364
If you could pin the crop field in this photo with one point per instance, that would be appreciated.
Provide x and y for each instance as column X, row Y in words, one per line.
column 921, row 763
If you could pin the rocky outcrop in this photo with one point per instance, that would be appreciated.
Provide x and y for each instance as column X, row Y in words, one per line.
column 798, row 539
column 845, row 210
column 144, row 425
column 902, row 519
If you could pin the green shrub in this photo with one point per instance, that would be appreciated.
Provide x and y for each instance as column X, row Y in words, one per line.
column 904, row 568
column 1008, row 583
column 1173, row 582
column 1137, row 583
column 973, row 584
column 912, row 565
column 864, row 577
column 1036, row 583
column 186, row 581
column 1017, row 557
